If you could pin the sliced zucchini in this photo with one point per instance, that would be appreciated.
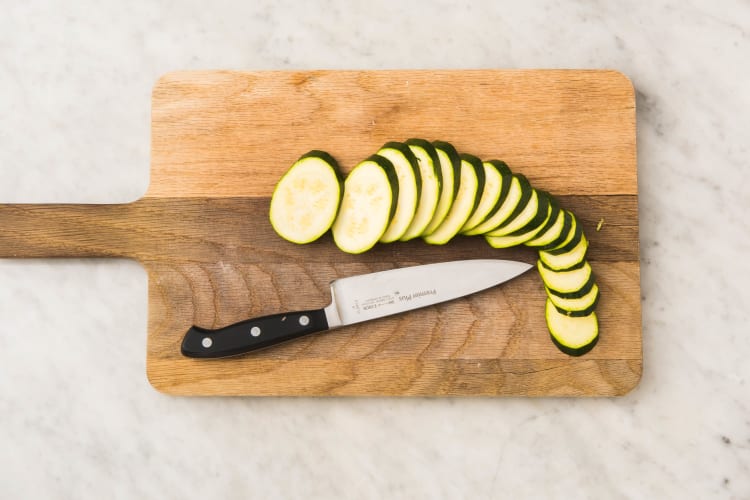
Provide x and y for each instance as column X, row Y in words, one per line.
column 429, row 167
column 368, row 205
column 569, row 284
column 573, row 335
column 567, row 260
column 517, row 199
column 409, row 188
column 523, row 217
column 505, row 187
column 576, row 234
column 471, row 176
column 552, row 229
column 566, row 233
column 528, row 231
column 306, row 199
column 582, row 306
column 450, row 165
column 489, row 198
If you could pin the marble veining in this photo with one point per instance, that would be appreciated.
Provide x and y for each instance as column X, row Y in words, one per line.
column 77, row 416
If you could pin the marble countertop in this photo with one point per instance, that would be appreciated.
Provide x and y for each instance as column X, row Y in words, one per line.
column 78, row 418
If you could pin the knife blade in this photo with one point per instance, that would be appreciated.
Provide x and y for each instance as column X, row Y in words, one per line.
column 356, row 299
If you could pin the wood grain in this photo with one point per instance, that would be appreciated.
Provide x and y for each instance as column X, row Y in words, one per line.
column 220, row 141
column 210, row 129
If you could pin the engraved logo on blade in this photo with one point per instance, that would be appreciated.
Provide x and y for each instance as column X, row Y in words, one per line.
column 390, row 299
column 416, row 295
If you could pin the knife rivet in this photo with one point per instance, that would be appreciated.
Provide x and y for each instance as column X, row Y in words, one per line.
column 207, row 342
column 255, row 331
column 304, row 320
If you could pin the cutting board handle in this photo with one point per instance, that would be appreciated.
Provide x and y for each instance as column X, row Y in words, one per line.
column 66, row 230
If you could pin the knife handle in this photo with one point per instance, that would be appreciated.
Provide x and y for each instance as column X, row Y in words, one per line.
column 252, row 334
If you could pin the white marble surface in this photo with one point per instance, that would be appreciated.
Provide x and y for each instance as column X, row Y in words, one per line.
column 78, row 418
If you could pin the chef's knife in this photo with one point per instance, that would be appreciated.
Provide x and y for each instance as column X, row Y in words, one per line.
column 356, row 299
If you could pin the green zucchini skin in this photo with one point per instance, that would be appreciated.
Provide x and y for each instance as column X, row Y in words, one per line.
column 568, row 222
column 488, row 198
column 464, row 203
column 282, row 229
column 527, row 232
column 404, row 209
column 579, row 312
column 451, row 182
column 455, row 159
column 570, row 351
column 553, row 214
column 526, row 192
column 326, row 157
column 573, row 335
column 570, row 245
column 407, row 152
column 507, row 177
column 479, row 169
column 425, row 209
column 390, row 171
column 539, row 219
column 586, row 288
column 571, row 268
column 430, row 150
column 341, row 228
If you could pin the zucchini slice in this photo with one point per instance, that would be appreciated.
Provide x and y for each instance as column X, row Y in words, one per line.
column 522, row 217
column 575, row 236
column 528, row 231
column 582, row 306
column 566, row 233
column 368, row 205
column 552, row 229
column 306, row 199
column 568, row 284
column 567, row 260
column 471, row 178
column 450, row 165
column 518, row 197
column 489, row 198
column 409, row 188
column 505, row 189
column 429, row 167
column 573, row 335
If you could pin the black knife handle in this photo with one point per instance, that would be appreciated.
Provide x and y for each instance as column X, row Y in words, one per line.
column 252, row 334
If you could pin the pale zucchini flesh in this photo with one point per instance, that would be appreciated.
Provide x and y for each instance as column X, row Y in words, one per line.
column 548, row 234
column 507, row 176
column 429, row 169
column 369, row 203
column 570, row 242
column 521, row 236
column 450, row 165
column 462, row 206
column 565, row 283
column 582, row 306
column 306, row 199
column 409, row 188
column 489, row 197
column 569, row 233
column 522, row 218
column 518, row 194
column 574, row 335
column 567, row 260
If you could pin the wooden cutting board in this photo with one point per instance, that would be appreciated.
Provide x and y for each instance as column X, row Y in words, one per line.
column 220, row 141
